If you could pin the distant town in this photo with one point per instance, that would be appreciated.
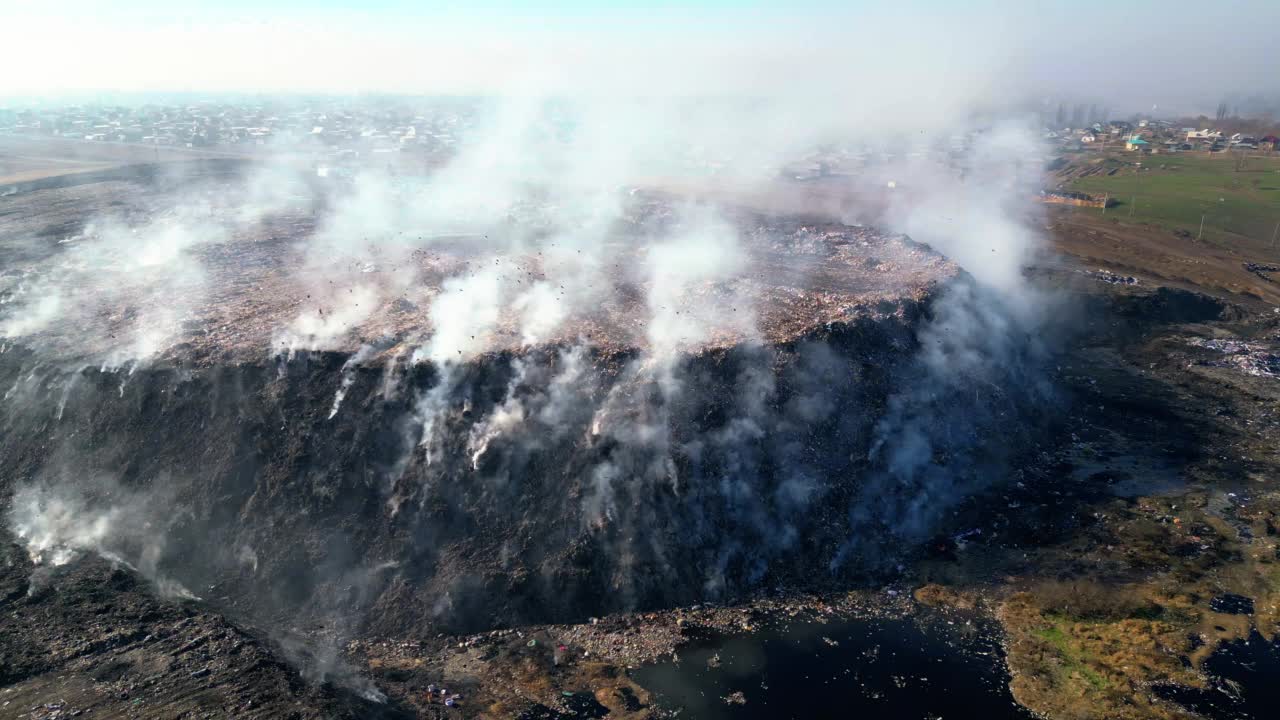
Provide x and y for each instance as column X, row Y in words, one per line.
column 337, row 136
column 1158, row 136
column 339, row 131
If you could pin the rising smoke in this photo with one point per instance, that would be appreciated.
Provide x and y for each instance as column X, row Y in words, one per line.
column 519, row 419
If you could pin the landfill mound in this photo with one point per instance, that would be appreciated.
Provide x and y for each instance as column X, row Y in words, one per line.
column 656, row 447
column 611, row 491
column 145, row 270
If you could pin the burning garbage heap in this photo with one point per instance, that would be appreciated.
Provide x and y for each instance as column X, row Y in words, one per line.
column 541, row 419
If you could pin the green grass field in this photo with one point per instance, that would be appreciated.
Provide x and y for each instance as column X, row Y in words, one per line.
column 1175, row 190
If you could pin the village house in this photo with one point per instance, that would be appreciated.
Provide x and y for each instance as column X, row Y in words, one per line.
column 1206, row 134
column 1136, row 144
column 1118, row 127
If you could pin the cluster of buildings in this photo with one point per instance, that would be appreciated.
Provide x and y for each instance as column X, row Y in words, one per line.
column 1156, row 136
column 333, row 126
column 1206, row 140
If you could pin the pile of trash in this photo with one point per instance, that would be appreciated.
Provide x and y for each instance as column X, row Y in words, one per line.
column 1248, row 357
column 434, row 693
column 1262, row 271
column 1111, row 278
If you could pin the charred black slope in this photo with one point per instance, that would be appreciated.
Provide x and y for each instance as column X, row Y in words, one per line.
column 415, row 504
column 93, row 638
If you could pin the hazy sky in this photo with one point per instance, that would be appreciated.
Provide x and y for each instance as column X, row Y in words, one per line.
column 1130, row 53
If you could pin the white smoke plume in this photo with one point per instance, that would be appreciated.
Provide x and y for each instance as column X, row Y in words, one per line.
column 429, row 413
column 58, row 524
column 541, row 310
column 981, row 356
column 348, row 376
column 462, row 316
column 138, row 282
column 505, row 417
column 326, row 329
column 683, row 272
column 567, row 390
column 486, row 278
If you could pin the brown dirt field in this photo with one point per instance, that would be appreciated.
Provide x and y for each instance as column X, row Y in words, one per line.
column 24, row 158
column 1164, row 258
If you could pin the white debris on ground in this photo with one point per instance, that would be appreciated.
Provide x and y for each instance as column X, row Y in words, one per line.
column 1111, row 278
column 1251, row 358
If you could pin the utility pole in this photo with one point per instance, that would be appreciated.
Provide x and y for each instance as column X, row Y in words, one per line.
column 1201, row 233
column 1274, row 233
column 1105, row 199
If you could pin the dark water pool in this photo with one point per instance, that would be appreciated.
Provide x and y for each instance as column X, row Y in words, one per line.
column 847, row 669
column 1244, row 682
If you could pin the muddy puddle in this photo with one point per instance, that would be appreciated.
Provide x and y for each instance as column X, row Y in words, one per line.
column 847, row 668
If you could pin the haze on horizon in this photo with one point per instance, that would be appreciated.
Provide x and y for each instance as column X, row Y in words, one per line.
column 918, row 55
